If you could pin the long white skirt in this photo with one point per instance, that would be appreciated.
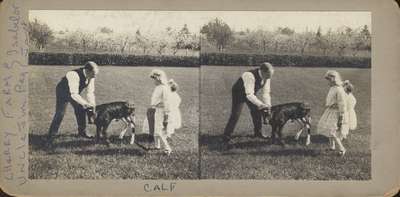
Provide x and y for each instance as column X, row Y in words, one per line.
column 352, row 119
column 174, row 122
column 327, row 124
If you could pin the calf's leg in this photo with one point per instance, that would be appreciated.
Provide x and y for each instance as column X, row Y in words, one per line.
column 122, row 134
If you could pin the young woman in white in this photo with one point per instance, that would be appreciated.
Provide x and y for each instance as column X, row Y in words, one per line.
column 334, row 117
column 175, row 120
column 160, row 105
column 351, row 103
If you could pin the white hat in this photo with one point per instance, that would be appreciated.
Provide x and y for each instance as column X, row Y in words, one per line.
column 159, row 75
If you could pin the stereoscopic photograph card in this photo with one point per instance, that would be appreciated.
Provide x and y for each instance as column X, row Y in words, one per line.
column 129, row 98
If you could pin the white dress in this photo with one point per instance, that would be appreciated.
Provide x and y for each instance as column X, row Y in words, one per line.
column 335, row 104
column 351, row 104
column 175, row 118
column 159, row 100
column 351, row 115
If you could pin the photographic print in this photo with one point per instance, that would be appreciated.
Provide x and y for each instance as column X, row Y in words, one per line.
column 113, row 95
column 286, row 95
column 194, row 98
column 304, row 79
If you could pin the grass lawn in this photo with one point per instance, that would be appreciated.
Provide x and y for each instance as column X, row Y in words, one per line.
column 247, row 157
column 77, row 158
column 250, row 158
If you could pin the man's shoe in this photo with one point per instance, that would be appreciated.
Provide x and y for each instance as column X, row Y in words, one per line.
column 84, row 135
column 226, row 138
column 49, row 145
column 259, row 135
column 281, row 143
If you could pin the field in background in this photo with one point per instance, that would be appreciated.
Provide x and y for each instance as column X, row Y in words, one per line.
column 77, row 158
column 250, row 158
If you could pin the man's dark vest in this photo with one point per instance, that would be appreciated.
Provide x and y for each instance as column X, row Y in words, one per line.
column 63, row 84
column 238, row 88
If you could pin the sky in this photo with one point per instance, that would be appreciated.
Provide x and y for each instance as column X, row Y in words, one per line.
column 158, row 21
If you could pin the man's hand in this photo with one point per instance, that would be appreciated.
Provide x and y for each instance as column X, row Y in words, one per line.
column 87, row 105
column 263, row 106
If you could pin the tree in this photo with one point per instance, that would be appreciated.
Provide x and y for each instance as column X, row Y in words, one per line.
column 342, row 43
column 72, row 40
column 106, row 30
column 183, row 39
column 218, row 33
column 40, row 34
column 286, row 31
column 303, row 40
column 320, row 42
column 365, row 38
column 123, row 41
column 361, row 40
column 85, row 40
column 251, row 39
column 143, row 42
column 172, row 39
column 264, row 39
column 163, row 41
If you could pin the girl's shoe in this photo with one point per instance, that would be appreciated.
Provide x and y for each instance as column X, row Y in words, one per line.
column 167, row 152
column 308, row 140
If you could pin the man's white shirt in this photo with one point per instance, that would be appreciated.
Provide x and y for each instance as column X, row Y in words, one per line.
column 249, row 83
column 73, row 83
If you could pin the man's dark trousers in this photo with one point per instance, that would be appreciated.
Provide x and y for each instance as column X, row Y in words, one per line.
column 237, row 105
column 63, row 97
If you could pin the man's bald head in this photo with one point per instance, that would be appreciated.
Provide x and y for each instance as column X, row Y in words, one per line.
column 267, row 70
column 92, row 69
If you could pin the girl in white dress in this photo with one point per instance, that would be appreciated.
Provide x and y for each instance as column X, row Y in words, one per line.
column 161, row 109
column 175, row 113
column 351, row 103
column 334, row 118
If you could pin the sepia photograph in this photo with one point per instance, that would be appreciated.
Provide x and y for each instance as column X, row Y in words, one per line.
column 286, row 95
column 113, row 95
column 189, row 98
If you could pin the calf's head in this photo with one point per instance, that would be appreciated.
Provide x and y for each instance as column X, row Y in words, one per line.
column 130, row 111
column 304, row 112
column 266, row 114
column 91, row 114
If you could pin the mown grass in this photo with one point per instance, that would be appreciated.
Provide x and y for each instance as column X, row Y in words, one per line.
column 250, row 158
column 244, row 158
column 77, row 158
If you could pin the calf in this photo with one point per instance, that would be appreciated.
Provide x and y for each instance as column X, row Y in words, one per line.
column 278, row 115
column 103, row 114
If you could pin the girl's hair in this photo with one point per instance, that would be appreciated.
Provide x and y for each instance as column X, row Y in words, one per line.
column 335, row 75
column 173, row 85
column 159, row 75
column 348, row 87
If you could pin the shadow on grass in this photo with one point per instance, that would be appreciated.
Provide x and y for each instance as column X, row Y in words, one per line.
column 216, row 143
column 288, row 152
column 37, row 142
column 111, row 151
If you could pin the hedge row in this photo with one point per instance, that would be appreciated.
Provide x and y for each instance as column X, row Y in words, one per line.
column 284, row 60
column 37, row 58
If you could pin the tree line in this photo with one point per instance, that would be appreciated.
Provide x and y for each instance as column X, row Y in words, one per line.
column 344, row 41
column 215, row 36
column 169, row 42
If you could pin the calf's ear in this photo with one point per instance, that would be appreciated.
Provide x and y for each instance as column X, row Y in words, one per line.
column 305, row 106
